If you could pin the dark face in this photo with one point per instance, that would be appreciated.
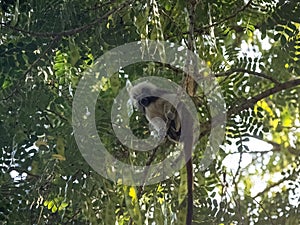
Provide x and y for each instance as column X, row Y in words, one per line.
column 143, row 94
column 146, row 101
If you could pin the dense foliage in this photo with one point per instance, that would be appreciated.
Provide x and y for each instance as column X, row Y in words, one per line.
column 252, row 48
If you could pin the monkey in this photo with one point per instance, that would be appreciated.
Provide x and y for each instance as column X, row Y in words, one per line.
column 169, row 116
column 162, row 115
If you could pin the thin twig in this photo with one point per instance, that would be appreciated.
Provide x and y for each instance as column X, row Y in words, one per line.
column 264, row 210
column 56, row 114
column 141, row 188
column 241, row 70
column 148, row 163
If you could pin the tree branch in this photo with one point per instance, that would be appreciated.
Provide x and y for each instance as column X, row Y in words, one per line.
column 189, row 84
column 252, row 101
column 248, row 103
column 68, row 32
column 17, row 86
column 273, row 185
column 241, row 70
column 200, row 30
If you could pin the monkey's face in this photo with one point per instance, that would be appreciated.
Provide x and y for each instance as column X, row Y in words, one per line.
column 142, row 94
column 146, row 101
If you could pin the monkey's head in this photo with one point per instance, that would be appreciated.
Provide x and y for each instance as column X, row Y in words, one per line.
column 143, row 94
